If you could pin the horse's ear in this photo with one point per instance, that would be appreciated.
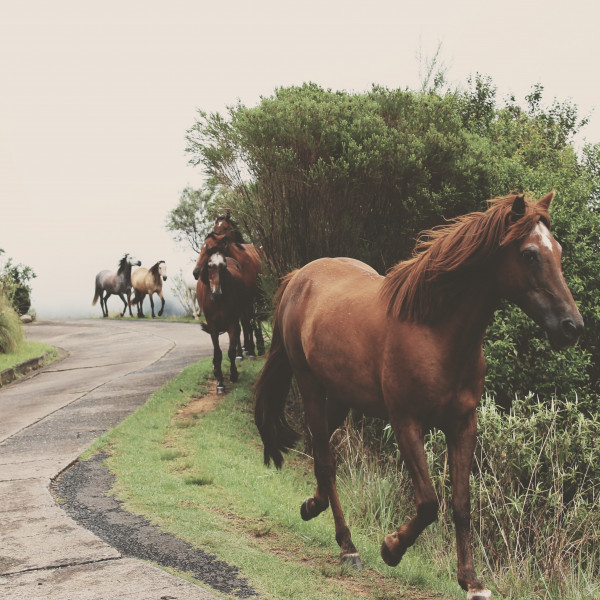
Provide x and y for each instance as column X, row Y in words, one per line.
column 546, row 200
column 518, row 208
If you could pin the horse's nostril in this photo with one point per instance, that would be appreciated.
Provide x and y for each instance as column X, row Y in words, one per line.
column 570, row 328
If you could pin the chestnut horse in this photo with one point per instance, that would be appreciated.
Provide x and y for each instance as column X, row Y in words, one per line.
column 407, row 347
column 118, row 283
column 149, row 282
column 221, row 299
column 249, row 261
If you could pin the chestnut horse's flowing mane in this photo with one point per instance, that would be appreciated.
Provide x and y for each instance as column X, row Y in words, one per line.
column 447, row 258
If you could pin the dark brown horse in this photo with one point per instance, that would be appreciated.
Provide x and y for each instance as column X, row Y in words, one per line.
column 220, row 296
column 249, row 261
column 408, row 347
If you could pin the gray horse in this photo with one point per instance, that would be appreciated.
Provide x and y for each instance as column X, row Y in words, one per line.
column 116, row 283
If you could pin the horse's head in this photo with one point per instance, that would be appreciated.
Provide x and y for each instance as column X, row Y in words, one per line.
column 162, row 270
column 213, row 241
column 132, row 261
column 223, row 224
column 214, row 273
column 530, row 275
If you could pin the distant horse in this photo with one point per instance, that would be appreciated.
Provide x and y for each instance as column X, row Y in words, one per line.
column 407, row 347
column 247, row 256
column 190, row 293
column 118, row 283
column 221, row 299
column 149, row 282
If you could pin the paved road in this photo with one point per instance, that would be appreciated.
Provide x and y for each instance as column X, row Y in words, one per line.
column 46, row 422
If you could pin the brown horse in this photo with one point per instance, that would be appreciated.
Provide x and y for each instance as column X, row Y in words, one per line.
column 408, row 347
column 149, row 282
column 220, row 296
column 249, row 261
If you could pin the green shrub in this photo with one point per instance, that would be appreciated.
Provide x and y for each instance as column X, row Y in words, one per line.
column 11, row 330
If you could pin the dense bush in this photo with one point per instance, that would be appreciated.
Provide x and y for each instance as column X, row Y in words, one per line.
column 310, row 172
column 14, row 284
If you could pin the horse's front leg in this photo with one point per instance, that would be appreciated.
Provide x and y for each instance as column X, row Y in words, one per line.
column 234, row 338
column 409, row 435
column 125, row 303
column 162, row 307
column 461, row 438
column 152, row 304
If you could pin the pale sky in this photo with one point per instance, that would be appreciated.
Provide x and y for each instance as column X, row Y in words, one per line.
column 96, row 98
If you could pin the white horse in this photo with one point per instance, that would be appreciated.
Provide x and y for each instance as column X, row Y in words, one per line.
column 190, row 293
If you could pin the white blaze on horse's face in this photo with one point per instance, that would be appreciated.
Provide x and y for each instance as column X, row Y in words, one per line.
column 545, row 238
column 133, row 261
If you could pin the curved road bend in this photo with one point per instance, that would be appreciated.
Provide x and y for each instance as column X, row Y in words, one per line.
column 46, row 422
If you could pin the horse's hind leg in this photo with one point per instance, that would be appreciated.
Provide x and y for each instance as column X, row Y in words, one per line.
column 409, row 435
column 321, row 422
column 234, row 340
column 248, row 339
column 217, row 360
column 260, row 342
column 104, row 305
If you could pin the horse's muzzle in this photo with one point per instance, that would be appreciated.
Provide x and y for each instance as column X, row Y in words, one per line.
column 567, row 333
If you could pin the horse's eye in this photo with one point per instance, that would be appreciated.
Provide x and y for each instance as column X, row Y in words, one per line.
column 530, row 256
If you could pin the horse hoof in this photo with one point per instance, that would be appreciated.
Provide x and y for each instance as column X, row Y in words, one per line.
column 239, row 359
column 479, row 595
column 251, row 356
column 220, row 389
column 353, row 561
column 390, row 558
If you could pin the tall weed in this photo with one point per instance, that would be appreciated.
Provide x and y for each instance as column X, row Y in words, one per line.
column 535, row 492
column 11, row 330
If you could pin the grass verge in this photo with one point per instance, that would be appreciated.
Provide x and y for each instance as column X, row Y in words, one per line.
column 27, row 351
column 192, row 464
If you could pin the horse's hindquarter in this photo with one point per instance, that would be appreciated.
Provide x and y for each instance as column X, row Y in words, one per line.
column 332, row 324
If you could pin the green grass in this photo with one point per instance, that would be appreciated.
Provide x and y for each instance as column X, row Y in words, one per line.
column 26, row 351
column 201, row 477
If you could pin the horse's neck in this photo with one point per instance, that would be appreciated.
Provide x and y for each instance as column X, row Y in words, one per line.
column 125, row 274
column 464, row 330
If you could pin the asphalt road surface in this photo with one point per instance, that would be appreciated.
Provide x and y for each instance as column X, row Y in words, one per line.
column 46, row 422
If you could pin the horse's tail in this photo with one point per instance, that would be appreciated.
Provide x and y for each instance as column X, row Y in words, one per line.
column 97, row 294
column 271, row 390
